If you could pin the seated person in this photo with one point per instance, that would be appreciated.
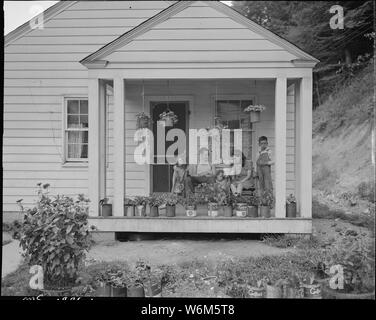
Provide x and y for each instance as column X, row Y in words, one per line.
column 243, row 179
column 222, row 183
column 179, row 177
column 203, row 172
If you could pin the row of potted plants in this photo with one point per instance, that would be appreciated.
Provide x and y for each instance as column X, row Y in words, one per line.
column 115, row 281
column 218, row 204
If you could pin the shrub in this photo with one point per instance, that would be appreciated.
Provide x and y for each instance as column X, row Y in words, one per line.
column 55, row 235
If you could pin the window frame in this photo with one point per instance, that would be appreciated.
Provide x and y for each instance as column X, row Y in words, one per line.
column 239, row 97
column 65, row 129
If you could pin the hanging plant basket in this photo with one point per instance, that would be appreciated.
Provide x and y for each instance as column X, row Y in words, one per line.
column 169, row 118
column 254, row 112
column 143, row 120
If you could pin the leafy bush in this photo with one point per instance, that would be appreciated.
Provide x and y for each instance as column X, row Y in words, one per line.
column 55, row 235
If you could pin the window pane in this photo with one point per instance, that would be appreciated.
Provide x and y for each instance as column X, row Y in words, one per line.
column 84, row 153
column 85, row 137
column 74, row 150
column 84, row 122
column 73, row 122
column 76, row 136
column 83, row 107
column 73, row 106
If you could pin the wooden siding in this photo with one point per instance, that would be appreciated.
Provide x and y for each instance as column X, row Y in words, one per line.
column 40, row 69
column 200, row 33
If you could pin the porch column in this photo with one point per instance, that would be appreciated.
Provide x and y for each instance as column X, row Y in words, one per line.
column 94, row 150
column 305, row 147
column 119, row 151
column 280, row 146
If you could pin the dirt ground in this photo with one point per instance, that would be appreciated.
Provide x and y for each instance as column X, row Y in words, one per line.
column 176, row 251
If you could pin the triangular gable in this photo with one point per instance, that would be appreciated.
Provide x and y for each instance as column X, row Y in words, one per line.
column 47, row 14
column 161, row 19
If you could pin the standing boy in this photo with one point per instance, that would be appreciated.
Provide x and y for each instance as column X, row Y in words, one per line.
column 264, row 163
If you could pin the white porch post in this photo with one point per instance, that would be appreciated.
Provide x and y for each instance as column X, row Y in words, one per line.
column 280, row 146
column 94, row 163
column 119, row 151
column 305, row 147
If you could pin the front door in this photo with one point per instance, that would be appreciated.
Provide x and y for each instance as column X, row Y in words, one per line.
column 162, row 173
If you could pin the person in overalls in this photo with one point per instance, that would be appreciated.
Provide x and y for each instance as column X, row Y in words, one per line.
column 264, row 163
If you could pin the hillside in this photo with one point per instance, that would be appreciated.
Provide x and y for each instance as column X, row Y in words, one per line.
column 342, row 144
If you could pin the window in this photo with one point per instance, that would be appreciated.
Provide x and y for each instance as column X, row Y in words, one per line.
column 230, row 110
column 76, row 129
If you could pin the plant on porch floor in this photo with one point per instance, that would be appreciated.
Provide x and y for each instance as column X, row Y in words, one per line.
column 170, row 200
column 291, row 206
column 190, row 203
column 140, row 203
column 55, row 235
column 266, row 203
column 154, row 201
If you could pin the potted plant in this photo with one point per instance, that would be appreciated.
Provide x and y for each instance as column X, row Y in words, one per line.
column 241, row 207
column 274, row 291
column 190, row 204
column 168, row 118
column 256, row 289
column 357, row 260
column 103, row 286
column 129, row 207
column 117, row 281
column 170, row 200
column 311, row 288
column 266, row 203
column 143, row 120
column 55, row 235
column 253, row 203
column 154, row 201
column 136, row 279
column 212, row 204
column 225, row 204
column 140, row 203
column 291, row 206
column 254, row 112
column 106, row 208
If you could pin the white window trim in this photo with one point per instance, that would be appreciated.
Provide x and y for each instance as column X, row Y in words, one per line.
column 69, row 162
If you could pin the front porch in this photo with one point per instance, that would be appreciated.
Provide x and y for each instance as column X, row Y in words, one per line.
column 115, row 174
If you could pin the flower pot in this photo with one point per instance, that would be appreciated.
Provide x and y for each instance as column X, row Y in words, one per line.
column 241, row 210
column 129, row 211
column 168, row 122
column 227, row 211
column 265, row 211
column 256, row 293
column 142, row 123
column 312, row 291
column 170, row 211
column 328, row 293
column 153, row 211
column 191, row 211
column 254, row 116
column 103, row 290
column 153, row 288
column 291, row 210
column 252, row 211
column 118, row 292
column 140, row 211
column 290, row 292
column 136, row 291
column 273, row 292
column 212, row 209
column 106, row 210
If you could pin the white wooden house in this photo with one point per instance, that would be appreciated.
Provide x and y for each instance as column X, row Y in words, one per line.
column 98, row 63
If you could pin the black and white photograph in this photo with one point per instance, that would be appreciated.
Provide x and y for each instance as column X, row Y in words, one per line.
column 175, row 150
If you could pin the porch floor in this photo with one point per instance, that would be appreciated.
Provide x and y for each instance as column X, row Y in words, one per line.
column 202, row 224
